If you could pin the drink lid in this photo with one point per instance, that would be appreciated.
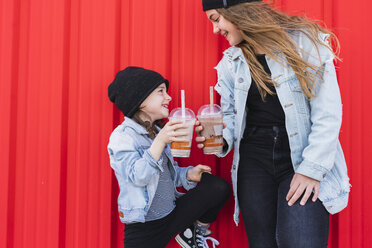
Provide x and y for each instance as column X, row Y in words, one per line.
column 206, row 111
column 177, row 114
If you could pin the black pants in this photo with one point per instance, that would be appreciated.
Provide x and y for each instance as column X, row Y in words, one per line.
column 201, row 203
column 264, row 176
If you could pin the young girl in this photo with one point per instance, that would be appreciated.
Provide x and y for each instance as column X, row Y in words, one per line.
column 149, row 204
column 282, row 108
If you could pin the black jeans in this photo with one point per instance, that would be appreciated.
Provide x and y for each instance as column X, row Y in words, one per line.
column 201, row 203
column 264, row 176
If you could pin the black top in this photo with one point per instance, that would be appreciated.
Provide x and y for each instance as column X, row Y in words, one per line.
column 264, row 113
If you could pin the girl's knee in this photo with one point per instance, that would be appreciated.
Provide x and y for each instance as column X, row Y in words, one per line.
column 224, row 188
column 217, row 186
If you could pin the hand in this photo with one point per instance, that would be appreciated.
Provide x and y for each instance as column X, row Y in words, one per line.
column 200, row 139
column 168, row 133
column 299, row 185
column 195, row 173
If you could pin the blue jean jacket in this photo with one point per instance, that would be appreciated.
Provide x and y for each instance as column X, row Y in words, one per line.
column 137, row 172
column 312, row 125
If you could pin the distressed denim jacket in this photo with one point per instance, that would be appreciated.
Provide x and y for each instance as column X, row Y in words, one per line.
column 312, row 125
column 137, row 171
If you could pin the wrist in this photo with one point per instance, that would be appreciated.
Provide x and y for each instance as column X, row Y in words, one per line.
column 158, row 140
column 188, row 175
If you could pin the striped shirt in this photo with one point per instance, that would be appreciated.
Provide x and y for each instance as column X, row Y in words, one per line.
column 164, row 199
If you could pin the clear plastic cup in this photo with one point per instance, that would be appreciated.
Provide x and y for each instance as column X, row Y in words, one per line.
column 211, row 119
column 183, row 149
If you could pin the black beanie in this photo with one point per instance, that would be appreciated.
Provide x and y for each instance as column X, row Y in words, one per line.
column 217, row 4
column 132, row 86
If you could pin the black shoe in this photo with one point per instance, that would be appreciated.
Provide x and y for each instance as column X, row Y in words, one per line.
column 190, row 238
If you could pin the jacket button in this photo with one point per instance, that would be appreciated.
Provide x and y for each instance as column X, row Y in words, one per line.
column 234, row 167
column 235, row 111
column 240, row 80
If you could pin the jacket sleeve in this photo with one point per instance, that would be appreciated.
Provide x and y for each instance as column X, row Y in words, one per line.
column 325, row 115
column 225, row 87
column 180, row 177
column 126, row 160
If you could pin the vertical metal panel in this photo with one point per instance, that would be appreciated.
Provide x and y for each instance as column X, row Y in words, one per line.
column 7, row 72
column 352, row 21
column 92, row 53
column 57, row 59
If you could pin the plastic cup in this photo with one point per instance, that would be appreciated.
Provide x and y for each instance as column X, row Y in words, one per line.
column 211, row 119
column 183, row 149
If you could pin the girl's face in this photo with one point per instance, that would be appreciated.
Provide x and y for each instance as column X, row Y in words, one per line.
column 156, row 104
column 224, row 27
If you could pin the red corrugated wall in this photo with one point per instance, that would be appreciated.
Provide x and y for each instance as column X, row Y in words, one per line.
column 56, row 61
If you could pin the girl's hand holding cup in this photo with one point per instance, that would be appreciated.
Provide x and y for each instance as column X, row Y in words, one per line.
column 199, row 138
column 170, row 134
column 209, row 127
column 167, row 134
column 182, row 148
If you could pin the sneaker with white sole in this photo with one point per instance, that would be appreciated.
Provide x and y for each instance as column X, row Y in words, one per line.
column 190, row 238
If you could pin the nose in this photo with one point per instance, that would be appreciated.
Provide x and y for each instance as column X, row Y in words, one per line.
column 216, row 29
column 168, row 97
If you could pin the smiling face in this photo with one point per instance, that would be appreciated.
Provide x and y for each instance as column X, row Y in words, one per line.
column 156, row 104
column 224, row 27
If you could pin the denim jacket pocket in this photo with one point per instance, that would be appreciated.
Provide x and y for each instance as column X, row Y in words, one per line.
column 294, row 85
column 300, row 101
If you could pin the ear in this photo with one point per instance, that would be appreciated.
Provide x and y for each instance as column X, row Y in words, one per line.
column 142, row 106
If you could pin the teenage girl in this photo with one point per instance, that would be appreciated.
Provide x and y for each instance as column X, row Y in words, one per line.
column 282, row 107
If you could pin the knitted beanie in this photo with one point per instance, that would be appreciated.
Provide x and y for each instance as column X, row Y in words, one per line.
column 217, row 4
column 132, row 86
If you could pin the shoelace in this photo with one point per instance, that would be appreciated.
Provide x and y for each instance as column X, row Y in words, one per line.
column 201, row 240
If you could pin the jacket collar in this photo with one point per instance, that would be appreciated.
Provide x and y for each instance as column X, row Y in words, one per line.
column 235, row 52
column 128, row 122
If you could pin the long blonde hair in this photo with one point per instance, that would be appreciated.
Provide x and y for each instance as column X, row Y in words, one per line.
column 265, row 29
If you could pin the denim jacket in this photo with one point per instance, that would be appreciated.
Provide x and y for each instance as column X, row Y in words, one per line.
column 137, row 171
column 312, row 125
